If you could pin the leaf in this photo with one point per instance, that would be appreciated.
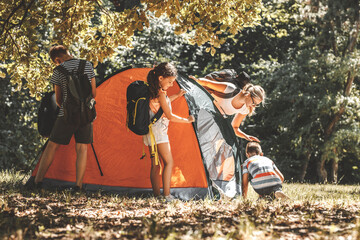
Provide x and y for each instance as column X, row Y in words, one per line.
column 2, row 74
column 213, row 51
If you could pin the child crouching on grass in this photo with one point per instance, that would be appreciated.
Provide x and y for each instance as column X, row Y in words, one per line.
column 266, row 178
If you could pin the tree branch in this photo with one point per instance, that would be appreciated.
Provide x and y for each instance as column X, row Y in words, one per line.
column 26, row 12
column 330, row 127
column 9, row 17
column 334, row 46
column 349, row 82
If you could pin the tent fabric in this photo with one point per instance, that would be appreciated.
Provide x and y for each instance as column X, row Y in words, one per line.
column 119, row 150
column 217, row 140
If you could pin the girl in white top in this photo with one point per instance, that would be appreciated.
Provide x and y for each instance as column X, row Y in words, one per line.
column 160, row 79
column 241, row 105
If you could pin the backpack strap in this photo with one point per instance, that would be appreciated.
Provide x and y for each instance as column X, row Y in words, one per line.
column 154, row 150
column 223, row 95
column 82, row 64
column 157, row 116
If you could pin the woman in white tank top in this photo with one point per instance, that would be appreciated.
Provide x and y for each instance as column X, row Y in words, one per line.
column 240, row 105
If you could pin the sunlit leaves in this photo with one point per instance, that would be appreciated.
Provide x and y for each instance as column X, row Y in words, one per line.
column 93, row 31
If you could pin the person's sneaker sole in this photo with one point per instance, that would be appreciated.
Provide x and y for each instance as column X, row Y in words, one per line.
column 281, row 195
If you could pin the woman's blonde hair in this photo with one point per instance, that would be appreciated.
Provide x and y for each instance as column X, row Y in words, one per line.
column 255, row 91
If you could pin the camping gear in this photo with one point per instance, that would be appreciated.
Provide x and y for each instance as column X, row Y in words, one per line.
column 206, row 153
column 137, row 106
column 47, row 114
column 229, row 76
column 79, row 104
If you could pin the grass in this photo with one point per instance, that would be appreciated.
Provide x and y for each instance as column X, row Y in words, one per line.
column 315, row 212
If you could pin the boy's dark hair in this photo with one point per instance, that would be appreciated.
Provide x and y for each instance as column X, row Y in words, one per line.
column 253, row 148
column 164, row 69
column 57, row 51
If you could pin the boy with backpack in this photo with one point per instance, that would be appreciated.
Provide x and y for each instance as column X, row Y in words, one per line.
column 266, row 178
column 75, row 87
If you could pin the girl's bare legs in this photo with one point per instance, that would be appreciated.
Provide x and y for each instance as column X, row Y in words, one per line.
column 165, row 153
column 155, row 176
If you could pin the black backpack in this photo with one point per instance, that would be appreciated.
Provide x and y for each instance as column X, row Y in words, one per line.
column 228, row 75
column 138, row 116
column 47, row 114
column 79, row 105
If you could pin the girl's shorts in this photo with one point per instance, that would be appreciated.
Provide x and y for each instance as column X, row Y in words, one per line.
column 160, row 129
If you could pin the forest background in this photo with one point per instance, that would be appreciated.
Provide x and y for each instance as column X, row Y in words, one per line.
column 305, row 54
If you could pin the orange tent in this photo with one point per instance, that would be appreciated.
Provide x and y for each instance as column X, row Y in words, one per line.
column 118, row 150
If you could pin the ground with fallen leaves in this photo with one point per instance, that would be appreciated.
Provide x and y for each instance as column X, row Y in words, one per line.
column 315, row 212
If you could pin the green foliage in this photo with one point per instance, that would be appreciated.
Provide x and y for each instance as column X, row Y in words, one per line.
column 19, row 140
column 93, row 30
column 302, row 94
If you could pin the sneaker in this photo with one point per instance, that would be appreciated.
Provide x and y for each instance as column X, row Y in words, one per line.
column 160, row 197
column 281, row 195
column 169, row 198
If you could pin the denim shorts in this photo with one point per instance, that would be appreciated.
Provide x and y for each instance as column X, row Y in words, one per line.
column 62, row 132
column 160, row 131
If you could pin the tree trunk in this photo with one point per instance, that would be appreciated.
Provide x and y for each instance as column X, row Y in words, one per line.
column 331, row 126
column 321, row 171
column 334, row 171
column 304, row 167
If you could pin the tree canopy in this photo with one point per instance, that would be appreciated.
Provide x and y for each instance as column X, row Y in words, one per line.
column 94, row 29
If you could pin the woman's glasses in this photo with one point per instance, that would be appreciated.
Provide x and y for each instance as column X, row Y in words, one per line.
column 254, row 104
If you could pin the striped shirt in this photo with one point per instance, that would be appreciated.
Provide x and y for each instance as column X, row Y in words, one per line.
column 262, row 171
column 59, row 78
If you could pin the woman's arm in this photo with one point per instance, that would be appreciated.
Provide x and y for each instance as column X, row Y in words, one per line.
column 168, row 113
column 236, row 122
column 214, row 85
column 179, row 94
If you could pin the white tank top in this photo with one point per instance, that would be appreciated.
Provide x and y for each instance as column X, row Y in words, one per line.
column 225, row 103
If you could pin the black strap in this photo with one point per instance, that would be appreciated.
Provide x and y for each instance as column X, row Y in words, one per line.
column 78, row 85
column 223, row 95
column 157, row 116
column 82, row 64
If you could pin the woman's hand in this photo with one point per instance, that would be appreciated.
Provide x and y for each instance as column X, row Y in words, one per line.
column 193, row 78
column 177, row 95
column 181, row 93
column 191, row 119
column 252, row 138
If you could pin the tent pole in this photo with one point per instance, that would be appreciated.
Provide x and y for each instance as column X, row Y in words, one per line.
column 97, row 161
column 37, row 156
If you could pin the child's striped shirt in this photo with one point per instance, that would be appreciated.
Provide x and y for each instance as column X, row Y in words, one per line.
column 262, row 171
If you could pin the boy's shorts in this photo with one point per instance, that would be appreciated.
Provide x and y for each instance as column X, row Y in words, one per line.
column 269, row 190
column 62, row 132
